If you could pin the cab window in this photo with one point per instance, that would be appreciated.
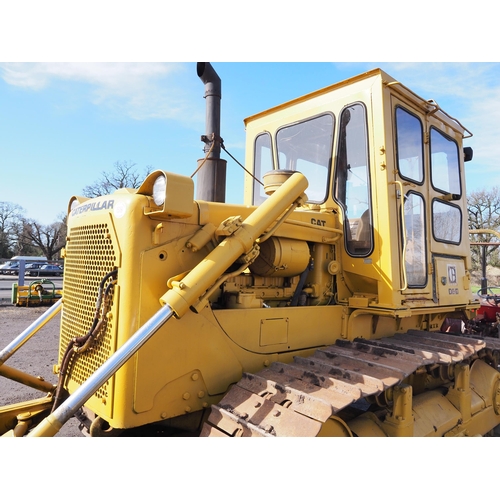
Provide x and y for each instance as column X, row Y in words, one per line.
column 446, row 222
column 306, row 147
column 352, row 182
column 445, row 170
column 409, row 146
column 414, row 240
column 263, row 163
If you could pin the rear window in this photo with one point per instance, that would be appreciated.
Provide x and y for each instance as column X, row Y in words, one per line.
column 445, row 166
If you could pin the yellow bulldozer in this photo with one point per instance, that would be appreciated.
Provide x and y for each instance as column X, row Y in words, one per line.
column 334, row 302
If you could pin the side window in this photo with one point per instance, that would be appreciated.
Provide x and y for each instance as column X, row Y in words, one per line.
column 263, row 163
column 409, row 146
column 446, row 222
column 352, row 181
column 415, row 249
column 307, row 147
column 445, row 168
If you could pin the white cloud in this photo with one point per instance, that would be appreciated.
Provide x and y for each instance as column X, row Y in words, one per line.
column 104, row 75
column 138, row 90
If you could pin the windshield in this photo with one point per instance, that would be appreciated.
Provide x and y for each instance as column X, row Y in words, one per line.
column 307, row 148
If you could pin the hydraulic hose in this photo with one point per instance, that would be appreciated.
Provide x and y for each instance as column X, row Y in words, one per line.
column 53, row 423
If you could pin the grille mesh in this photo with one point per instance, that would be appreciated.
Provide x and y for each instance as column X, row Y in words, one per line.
column 90, row 255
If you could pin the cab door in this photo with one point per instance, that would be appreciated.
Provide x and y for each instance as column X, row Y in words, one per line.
column 412, row 195
column 449, row 244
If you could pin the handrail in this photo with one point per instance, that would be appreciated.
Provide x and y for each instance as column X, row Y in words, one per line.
column 485, row 231
column 403, row 229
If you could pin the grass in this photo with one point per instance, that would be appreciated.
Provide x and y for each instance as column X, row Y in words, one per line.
column 491, row 289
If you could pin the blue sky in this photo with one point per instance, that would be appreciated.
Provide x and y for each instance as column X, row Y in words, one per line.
column 62, row 124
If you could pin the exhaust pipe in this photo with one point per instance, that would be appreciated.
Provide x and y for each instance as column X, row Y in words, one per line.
column 211, row 182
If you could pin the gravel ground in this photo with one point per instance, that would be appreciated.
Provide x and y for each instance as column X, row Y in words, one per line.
column 36, row 357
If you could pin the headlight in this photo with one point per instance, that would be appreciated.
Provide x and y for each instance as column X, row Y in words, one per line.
column 75, row 202
column 173, row 195
column 159, row 190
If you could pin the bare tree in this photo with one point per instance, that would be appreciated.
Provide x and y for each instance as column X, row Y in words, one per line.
column 484, row 213
column 22, row 244
column 10, row 214
column 48, row 238
column 123, row 175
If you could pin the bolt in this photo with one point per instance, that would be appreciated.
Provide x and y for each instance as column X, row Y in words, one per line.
column 186, row 395
column 163, row 415
column 194, row 376
column 277, row 413
column 257, row 405
column 201, row 394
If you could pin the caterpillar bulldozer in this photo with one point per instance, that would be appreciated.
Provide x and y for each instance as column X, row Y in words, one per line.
column 334, row 302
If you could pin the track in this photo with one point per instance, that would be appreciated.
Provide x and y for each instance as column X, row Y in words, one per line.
column 297, row 399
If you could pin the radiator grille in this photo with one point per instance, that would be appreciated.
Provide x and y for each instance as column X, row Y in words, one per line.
column 90, row 255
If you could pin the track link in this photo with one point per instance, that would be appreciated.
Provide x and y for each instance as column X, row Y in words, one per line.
column 296, row 399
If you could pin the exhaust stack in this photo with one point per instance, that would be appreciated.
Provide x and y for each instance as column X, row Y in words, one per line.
column 211, row 182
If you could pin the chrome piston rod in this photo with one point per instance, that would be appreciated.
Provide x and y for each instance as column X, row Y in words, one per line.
column 53, row 423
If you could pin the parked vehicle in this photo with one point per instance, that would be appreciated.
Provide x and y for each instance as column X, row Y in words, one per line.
column 47, row 270
column 9, row 267
column 34, row 265
column 12, row 266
